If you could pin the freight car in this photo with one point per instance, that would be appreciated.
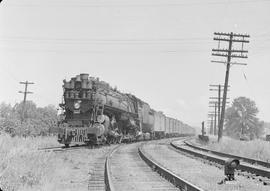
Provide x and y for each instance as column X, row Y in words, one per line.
column 96, row 113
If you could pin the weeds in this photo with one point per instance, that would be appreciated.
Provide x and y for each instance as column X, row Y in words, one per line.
column 257, row 149
column 22, row 167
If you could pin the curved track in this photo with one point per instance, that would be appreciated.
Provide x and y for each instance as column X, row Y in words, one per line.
column 245, row 159
column 155, row 165
column 99, row 177
column 169, row 175
column 194, row 171
column 127, row 171
column 121, row 167
column 259, row 173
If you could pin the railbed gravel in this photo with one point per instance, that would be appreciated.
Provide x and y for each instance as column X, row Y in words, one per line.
column 198, row 173
column 130, row 172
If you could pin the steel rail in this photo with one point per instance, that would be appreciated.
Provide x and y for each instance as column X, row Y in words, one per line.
column 168, row 175
column 107, row 174
column 62, row 148
column 248, row 160
column 242, row 167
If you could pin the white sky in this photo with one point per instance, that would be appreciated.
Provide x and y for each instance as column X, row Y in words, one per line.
column 159, row 50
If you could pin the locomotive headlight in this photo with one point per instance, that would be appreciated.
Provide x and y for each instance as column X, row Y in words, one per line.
column 77, row 105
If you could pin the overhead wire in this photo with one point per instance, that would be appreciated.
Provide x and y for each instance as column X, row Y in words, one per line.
column 186, row 42
column 86, row 4
column 102, row 40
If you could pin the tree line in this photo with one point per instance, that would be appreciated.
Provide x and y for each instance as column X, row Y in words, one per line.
column 241, row 120
column 28, row 119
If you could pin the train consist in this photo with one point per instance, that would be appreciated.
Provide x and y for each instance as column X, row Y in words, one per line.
column 96, row 113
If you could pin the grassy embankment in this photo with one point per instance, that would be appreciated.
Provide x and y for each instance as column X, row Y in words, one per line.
column 257, row 149
column 22, row 166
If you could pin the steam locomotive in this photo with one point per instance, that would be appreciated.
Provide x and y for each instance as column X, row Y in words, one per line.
column 95, row 113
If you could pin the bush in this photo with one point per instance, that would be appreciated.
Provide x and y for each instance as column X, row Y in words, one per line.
column 30, row 121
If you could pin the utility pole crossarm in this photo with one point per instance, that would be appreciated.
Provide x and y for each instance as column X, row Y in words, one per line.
column 26, row 82
column 216, row 89
column 25, row 92
column 228, row 34
column 233, row 40
column 215, row 106
column 226, row 50
column 213, row 102
column 213, row 85
column 231, row 63
column 232, row 55
column 229, row 53
column 216, row 98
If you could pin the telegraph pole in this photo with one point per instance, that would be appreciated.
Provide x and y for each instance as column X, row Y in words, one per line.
column 211, row 122
column 203, row 131
column 229, row 54
column 216, row 116
column 211, row 125
column 213, row 88
column 25, row 92
column 219, row 92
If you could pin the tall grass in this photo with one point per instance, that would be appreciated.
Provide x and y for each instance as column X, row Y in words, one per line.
column 22, row 166
column 257, row 149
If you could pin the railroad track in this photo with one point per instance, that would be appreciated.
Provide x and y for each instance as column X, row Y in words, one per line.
column 168, row 175
column 133, row 167
column 192, row 170
column 99, row 176
column 136, row 167
column 127, row 171
column 63, row 148
column 260, row 173
column 130, row 168
column 245, row 159
column 121, row 168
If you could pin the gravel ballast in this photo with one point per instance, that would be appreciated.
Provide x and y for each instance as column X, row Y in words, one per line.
column 196, row 172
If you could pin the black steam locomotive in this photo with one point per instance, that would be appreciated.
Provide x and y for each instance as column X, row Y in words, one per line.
column 96, row 113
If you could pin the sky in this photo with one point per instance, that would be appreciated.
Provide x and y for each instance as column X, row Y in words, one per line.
column 158, row 50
